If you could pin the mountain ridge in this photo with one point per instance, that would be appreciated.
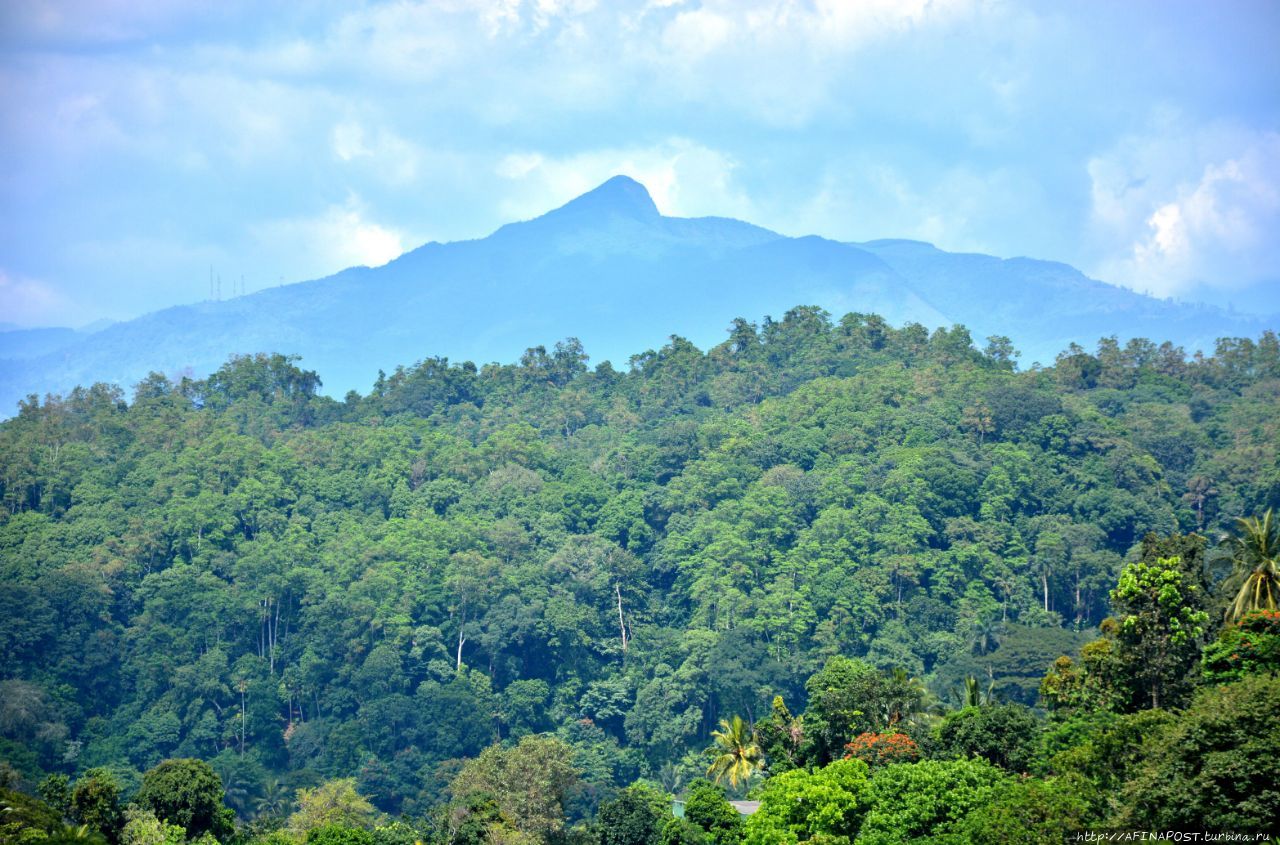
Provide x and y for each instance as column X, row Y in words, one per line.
column 609, row 268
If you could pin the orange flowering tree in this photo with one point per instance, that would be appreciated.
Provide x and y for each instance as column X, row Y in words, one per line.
column 881, row 749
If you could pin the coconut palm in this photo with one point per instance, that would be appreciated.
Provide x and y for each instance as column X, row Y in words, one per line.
column 737, row 756
column 273, row 801
column 974, row 696
column 75, row 835
column 1257, row 552
column 985, row 635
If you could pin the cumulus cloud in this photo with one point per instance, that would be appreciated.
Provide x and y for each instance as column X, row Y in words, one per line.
column 1188, row 210
column 31, row 302
column 386, row 155
column 685, row 179
column 863, row 197
column 342, row 236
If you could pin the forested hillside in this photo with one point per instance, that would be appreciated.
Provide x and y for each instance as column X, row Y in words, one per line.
column 300, row 590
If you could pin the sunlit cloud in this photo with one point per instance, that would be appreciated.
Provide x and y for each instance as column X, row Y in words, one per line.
column 1189, row 209
column 341, row 236
column 685, row 179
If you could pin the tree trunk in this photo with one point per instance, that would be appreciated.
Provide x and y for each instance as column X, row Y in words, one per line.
column 622, row 624
column 462, row 624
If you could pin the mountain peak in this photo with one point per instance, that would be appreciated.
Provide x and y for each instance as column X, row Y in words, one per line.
column 621, row 195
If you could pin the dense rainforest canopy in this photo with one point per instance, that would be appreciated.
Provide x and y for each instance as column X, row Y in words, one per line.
column 391, row 604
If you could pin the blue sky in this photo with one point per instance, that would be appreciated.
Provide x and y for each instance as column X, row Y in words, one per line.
column 143, row 142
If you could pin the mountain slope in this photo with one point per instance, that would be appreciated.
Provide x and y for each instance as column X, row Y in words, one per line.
column 609, row 269
column 1047, row 305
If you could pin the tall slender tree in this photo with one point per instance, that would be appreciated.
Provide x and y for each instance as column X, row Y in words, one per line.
column 737, row 755
column 1257, row 553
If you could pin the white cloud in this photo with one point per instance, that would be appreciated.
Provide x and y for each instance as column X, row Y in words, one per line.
column 957, row 208
column 387, row 156
column 1187, row 210
column 684, row 178
column 31, row 302
column 342, row 236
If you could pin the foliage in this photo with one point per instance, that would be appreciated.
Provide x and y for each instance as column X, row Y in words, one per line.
column 1257, row 551
column 1029, row 811
column 1214, row 768
column 1098, row 682
column 187, row 793
column 529, row 783
column 354, row 597
column 705, row 805
column 1098, row 752
column 336, row 834
column 1160, row 627
column 1250, row 647
column 781, row 737
column 635, row 817
column 1006, row 735
column 914, row 800
column 800, row 806
column 683, row 832
column 142, row 827
column 95, row 802
column 55, row 790
column 844, row 699
column 24, row 818
column 333, row 803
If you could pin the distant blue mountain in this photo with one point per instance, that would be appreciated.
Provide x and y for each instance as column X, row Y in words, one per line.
column 609, row 269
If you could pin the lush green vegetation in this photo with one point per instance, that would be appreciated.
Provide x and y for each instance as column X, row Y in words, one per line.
column 878, row 578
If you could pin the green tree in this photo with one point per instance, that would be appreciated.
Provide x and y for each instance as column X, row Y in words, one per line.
column 780, row 737
column 1213, row 769
column 825, row 805
column 23, row 818
column 1097, row 682
column 55, row 790
column 705, row 805
column 842, row 704
column 1098, row 752
column 737, row 755
column 910, row 801
column 143, row 828
column 336, row 834
column 1030, row 811
column 635, row 817
column 1250, row 647
column 529, row 782
column 683, row 832
column 1160, row 629
column 1005, row 734
column 95, row 802
column 334, row 802
column 187, row 793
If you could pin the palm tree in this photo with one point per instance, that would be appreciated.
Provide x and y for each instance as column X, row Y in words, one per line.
column 75, row 835
column 737, row 756
column 905, row 698
column 1257, row 551
column 973, row 694
column 985, row 635
column 274, row 800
